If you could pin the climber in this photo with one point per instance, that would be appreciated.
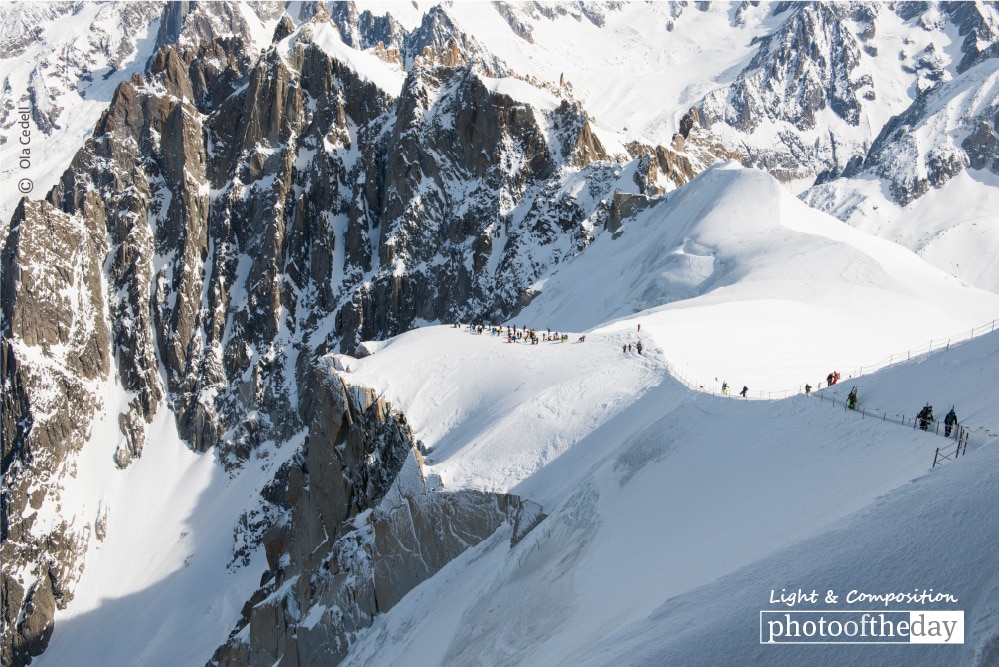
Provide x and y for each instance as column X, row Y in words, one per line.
column 950, row 421
column 925, row 416
column 638, row 346
column 744, row 390
column 725, row 388
column 851, row 399
column 808, row 390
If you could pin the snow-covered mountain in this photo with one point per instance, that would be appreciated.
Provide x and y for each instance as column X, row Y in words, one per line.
column 230, row 204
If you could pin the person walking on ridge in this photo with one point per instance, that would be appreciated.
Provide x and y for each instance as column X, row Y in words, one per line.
column 950, row 421
column 925, row 416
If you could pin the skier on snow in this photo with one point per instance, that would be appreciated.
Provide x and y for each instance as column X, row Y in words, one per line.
column 851, row 399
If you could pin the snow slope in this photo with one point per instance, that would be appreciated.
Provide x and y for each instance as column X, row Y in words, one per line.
column 674, row 516
column 734, row 270
column 158, row 588
column 668, row 70
column 673, row 513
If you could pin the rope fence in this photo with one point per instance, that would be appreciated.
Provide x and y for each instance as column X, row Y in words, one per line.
column 934, row 345
column 961, row 434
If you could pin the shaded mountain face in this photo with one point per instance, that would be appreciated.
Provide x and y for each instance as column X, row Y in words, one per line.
column 249, row 204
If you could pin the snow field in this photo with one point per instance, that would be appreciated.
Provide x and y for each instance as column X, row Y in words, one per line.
column 156, row 590
column 686, row 491
column 655, row 491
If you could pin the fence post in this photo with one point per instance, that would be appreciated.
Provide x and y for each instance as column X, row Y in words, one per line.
column 935, row 456
column 937, row 431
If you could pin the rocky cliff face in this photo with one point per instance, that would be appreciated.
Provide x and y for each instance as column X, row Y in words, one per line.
column 807, row 106
column 949, row 133
column 350, row 526
column 943, row 133
column 55, row 351
column 810, row 66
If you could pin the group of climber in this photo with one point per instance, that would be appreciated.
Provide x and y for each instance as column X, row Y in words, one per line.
column 745, row 390
column 831, row 379
column 514, row 335
column 925, row 418
column 626, row 348
column 517, row 334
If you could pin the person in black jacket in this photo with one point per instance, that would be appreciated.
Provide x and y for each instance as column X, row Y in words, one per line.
column 925, row 416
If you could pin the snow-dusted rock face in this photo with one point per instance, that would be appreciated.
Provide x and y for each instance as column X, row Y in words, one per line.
column 953, row 123
column 262, row 213
column 55, row 351
column 350, row 526
column 821, row 96
column 58, row 79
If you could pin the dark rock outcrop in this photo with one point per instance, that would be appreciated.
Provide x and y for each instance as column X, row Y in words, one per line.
column 693, row 149
column 55, row 348
column 350, row 527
